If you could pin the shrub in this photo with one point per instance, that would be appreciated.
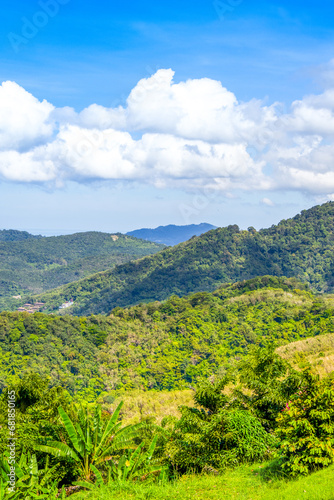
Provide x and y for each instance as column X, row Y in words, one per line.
column 306, row 426
column 270, row 380
column 216, row 435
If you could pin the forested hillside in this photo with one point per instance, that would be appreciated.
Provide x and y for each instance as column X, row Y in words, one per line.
column 32, row 265
column 165, row 345
column 302, row 247
column 14, row 235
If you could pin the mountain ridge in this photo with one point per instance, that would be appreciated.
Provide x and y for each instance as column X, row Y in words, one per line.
column 302, row 246
column 12, row 235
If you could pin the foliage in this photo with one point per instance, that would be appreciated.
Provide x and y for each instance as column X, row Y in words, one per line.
column 31, row 481
column 136, row 465
column 37, row 419
column 216, row 434
column 15, row 235
column 306, row 426
column 36, row 410
column 90, row 441
column 161, row 346
column 270, row 381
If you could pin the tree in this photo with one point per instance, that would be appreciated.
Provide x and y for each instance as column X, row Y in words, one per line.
column 306, row 426
column 271, row 381
column 216, row 433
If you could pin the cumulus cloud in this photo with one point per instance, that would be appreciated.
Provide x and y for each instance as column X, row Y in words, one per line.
column 190, row 134
column 24, row 121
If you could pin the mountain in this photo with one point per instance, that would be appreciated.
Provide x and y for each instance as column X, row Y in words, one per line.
column 302, row 247
column 14, row 235
column 34, row 265
column 171, row 235
column 165, row 345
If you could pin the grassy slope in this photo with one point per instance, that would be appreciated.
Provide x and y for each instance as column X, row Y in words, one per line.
column 243, row 483
column 139, row 404
column 38, row 264
column 301, row 247
column 317, row 351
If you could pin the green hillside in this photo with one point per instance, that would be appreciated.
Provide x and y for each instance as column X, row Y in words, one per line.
column 204, row 381
column 14, row 235
column 165, row 345
column 302, row 247
column 33, row 265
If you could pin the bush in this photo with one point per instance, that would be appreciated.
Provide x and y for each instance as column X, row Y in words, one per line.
column 216, row 435
column 306, row 426
column 269, row 381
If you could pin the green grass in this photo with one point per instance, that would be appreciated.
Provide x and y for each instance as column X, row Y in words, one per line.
column 250, row 482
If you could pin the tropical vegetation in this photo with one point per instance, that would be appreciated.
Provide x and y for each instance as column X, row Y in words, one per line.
column 160, row 346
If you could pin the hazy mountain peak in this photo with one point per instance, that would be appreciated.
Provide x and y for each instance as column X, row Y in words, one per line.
column 171, row 234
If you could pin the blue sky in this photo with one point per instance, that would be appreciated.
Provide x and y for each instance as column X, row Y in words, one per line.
column 85, row 53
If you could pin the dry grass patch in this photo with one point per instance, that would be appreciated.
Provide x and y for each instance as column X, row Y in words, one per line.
column 140, row 404
column 272, row 296
column 318, row 351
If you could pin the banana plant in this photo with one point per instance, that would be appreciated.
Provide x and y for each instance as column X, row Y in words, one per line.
column 31, row 482
column 129, row 467
column 5, row 494
column 90, row 441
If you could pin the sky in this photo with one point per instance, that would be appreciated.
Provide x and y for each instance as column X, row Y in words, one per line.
column 121, row 115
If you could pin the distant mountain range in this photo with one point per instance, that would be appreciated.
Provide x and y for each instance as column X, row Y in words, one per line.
column 171, row 235
column 301, row 247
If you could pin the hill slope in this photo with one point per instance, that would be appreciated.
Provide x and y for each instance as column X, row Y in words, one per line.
column 172, row 235
column 302, row 246
column 38, row 264
column 165, row 345
column 14, row 235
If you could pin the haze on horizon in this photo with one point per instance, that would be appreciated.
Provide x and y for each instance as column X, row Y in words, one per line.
column 115, row 117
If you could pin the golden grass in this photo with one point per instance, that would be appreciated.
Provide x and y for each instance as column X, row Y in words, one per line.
column 271, row 296
column 141, row 404
column 317, row 351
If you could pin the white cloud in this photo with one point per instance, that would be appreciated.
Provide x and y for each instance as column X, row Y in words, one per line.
column 24, row 121
column 268, row 202
column 187, row 135
column 196, row 109
column 27, row 167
